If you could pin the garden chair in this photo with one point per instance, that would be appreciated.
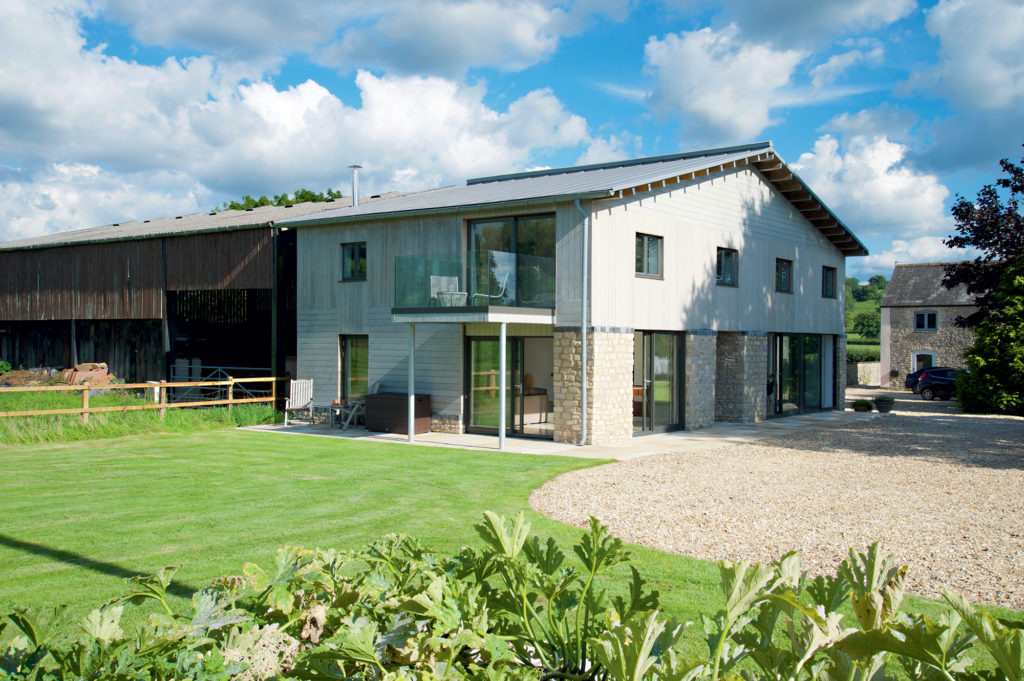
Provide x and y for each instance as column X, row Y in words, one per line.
column 300, row 398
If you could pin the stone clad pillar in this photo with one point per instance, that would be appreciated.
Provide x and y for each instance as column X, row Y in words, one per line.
column 741, row 381
column 609, row 385
column 701, row 355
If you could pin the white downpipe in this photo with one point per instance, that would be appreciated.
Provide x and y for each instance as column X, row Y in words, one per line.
column 583, row 323
column 502, row 359
column 412, row 381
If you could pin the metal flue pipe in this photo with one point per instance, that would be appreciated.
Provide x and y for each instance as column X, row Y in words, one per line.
column 355, row 185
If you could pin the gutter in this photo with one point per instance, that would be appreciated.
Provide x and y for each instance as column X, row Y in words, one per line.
column 583, row 323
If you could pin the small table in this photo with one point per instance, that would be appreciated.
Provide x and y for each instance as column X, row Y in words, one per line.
column 452, row 298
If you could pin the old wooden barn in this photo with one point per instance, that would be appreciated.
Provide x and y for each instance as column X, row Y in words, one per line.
column 152, row 297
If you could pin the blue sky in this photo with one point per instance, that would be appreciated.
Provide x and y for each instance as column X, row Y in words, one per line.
column 112, row 110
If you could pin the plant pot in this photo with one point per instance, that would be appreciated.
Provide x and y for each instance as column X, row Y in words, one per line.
column 861, row 407
column 884, row 404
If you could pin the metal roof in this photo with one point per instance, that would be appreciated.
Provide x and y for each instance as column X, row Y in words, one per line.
column 606, row 180
column 920, row 285
column 195, row 223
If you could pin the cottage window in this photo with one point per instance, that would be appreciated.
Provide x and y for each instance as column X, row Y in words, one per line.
column 727, row 267
column 353, row 261
column 648, row 255
column 926, row 320
column 828, row 282
column 783, row 275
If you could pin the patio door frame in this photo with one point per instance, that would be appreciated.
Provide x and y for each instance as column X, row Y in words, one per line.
column 516, row 399
column 649, row 411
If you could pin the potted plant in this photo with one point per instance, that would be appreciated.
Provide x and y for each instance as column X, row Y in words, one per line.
column 884, row 403
column 862, row 405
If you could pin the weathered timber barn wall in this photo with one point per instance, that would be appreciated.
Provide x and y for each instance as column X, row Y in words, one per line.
column 109, row 302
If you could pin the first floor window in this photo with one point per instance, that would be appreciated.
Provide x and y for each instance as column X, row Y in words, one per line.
column 353, row 261
column 925, row 321
column 828, row 282
column 726, row 269
column 355, row 366
column 783, row 275
column 648, row 255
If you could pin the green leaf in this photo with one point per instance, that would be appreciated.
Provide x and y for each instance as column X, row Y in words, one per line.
column 506, row 539
column 1005, row 645
column 104, row 625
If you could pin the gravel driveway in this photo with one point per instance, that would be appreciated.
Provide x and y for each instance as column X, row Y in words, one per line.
column 943, row 491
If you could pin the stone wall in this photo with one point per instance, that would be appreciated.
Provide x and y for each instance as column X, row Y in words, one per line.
column 741, row 367
column 609, row 386
column 948, row 342
column 864, row 373
column 446, row 423
column 701, row 359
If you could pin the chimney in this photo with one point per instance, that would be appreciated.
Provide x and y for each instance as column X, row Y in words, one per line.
column 355, row 185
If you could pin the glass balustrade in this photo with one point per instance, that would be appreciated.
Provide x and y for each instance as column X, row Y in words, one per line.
column 474, row 279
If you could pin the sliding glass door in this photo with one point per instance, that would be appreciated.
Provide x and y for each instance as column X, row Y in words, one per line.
column 528, row 377
column 657, row 384
column 798, row 378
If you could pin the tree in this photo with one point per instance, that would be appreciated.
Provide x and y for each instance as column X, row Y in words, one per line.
column 301, row 196
column 994, row 381
column 868, row 324
column 995, row 229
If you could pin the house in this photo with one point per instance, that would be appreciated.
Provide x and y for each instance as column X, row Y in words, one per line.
column 704, row 286
column 169, row 298
column 919, row 322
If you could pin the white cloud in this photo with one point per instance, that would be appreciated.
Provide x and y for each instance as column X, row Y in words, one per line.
column 441, row 37
column 611, row 148
column 836, row 65
column 721, row 87
column 802, row 23
column 61, row 102
column 873, row 190
column 880, row 121
column 61, row 195
column 921, row 249
column 982, row 59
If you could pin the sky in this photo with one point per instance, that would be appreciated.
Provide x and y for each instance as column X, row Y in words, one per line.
column 117, row 110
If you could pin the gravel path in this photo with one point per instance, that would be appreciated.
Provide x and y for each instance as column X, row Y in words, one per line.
column 943, row 491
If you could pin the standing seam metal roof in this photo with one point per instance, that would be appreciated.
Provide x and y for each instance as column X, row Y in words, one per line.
column 622, row 178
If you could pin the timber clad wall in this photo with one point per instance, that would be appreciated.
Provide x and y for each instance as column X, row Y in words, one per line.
column 126, row 279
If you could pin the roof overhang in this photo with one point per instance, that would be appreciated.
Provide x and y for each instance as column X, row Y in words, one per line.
column 775, row 171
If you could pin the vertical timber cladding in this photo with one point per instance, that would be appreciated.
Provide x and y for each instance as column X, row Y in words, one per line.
column 122, row 285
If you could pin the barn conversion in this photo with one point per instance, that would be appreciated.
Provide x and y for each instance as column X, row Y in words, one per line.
column 204, row 291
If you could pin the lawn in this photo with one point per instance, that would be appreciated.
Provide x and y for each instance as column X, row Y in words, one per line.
column 80, row 517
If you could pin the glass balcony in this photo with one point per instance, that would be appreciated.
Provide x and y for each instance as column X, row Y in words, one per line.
column 474, row 279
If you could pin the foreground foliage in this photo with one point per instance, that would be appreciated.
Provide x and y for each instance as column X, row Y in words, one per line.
column 516, row 608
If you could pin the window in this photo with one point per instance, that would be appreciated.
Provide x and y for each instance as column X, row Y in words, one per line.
column 353, row 261
column 828, row 282
column 726, row 268
column 355, row 366
column 783, row 275
column 648, row 255
column 925, row 320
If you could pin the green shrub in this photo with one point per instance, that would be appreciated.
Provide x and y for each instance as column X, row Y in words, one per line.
column 517, row 609
column 5, row 366
column 863, row 353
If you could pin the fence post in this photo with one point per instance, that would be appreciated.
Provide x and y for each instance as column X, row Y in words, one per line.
column 85, row 405
column 163, row 399
column 273, row 392
column 231, row 392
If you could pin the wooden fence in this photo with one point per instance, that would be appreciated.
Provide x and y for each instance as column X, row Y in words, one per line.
column 161, row 402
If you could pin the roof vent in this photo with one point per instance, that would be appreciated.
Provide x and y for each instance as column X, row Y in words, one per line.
column 375, row 196
column 248, row 210
column 213, row 212
column 329, row 201
column 177, row 217
column 116, row 224
column 145, row 221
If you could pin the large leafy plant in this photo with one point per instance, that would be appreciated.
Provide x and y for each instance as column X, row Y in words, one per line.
column 516, row 608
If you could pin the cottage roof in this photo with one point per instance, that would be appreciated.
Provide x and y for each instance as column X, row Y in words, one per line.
column 920, row 285
column 605, row 180
column 195, row 223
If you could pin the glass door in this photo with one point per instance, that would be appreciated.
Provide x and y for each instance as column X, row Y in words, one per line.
column 656, row 382
column 528, row 377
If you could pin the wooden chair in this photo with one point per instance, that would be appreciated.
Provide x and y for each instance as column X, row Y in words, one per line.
column 300, row 398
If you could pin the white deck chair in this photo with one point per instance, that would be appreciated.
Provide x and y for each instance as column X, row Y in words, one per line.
column 498, row 296
column 300, row 398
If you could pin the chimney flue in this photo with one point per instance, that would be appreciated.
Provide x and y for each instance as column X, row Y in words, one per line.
column 355, row 185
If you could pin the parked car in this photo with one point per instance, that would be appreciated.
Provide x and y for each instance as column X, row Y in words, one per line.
column 914, row 378
column 935, row 385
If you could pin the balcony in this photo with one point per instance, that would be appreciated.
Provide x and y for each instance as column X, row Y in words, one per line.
column 472, row 282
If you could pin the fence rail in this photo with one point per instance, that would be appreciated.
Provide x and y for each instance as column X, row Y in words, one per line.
column 161, row 402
